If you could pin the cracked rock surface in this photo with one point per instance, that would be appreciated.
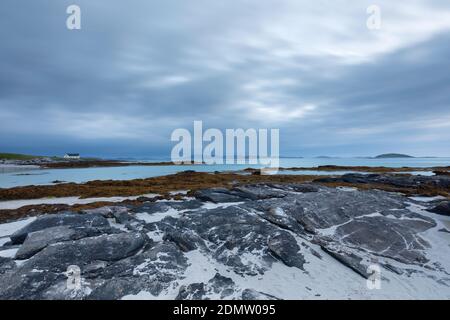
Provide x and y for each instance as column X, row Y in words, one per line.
column 265, row 241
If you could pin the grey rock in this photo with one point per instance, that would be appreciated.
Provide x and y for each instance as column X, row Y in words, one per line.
column 270, row 223
column 251, row 294
column 108, row 211
column 151, row 271
column 115, row 289
column 120, row 214
column 4, row 260
column 442, row 208
column 258, row 192
column 404, row 181
column 304, row 188
column 94, row 269
column 6, row 264
column 393, row 268
column 350, row 260
column 273, row 212
column 57, row 257
column 152, row 207
column 218, row 286
column 37, row 277
column 237, row 194
column 193, row 291
column 230, row 232
column 217, row 195
column 27, row 284
column 62, row 219
column 329, row 207
column 185, row 205
column 284, row 247
column 186, row 241
column 219, row 282
column 36, row 241
column 160, row 262
column 394, row 238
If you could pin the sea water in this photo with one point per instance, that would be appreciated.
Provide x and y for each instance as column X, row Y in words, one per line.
column 11, row 178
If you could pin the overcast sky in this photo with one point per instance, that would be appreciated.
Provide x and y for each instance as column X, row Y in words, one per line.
column 142, row 68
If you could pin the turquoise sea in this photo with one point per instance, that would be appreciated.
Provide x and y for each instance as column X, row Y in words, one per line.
column 12, row 178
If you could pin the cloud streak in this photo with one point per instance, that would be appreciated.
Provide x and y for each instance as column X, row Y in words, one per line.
column 136, row 71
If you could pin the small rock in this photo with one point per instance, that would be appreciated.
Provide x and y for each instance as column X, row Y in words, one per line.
column 186, row 241
column 350, row 260
column 251, row 294
column 194, row 291
column 285, row 247
column 217, row 195
column 442, row 208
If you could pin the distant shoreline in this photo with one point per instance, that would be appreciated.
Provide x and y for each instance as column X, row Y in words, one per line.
column 106, row 163
column 79, row 164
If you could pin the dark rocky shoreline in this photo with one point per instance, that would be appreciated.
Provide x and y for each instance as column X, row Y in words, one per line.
column 191, row 181
column 253, row 241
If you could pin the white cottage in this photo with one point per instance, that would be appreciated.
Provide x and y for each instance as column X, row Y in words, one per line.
column 72, row 156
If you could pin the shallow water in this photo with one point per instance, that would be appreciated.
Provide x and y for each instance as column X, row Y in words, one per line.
column 47, row 176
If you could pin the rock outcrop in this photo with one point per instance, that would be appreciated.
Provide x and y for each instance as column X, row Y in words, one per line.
column 261, row 241
column 395, row 180
column 442, row 208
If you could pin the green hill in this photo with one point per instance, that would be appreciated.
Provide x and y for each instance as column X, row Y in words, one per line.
column 17, row 156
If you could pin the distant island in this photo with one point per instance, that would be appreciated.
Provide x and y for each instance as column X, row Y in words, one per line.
column 393, row 155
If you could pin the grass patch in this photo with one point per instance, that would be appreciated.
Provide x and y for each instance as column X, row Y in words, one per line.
column 17, row 156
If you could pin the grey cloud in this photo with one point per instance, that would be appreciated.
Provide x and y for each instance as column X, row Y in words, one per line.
column 148, row 67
